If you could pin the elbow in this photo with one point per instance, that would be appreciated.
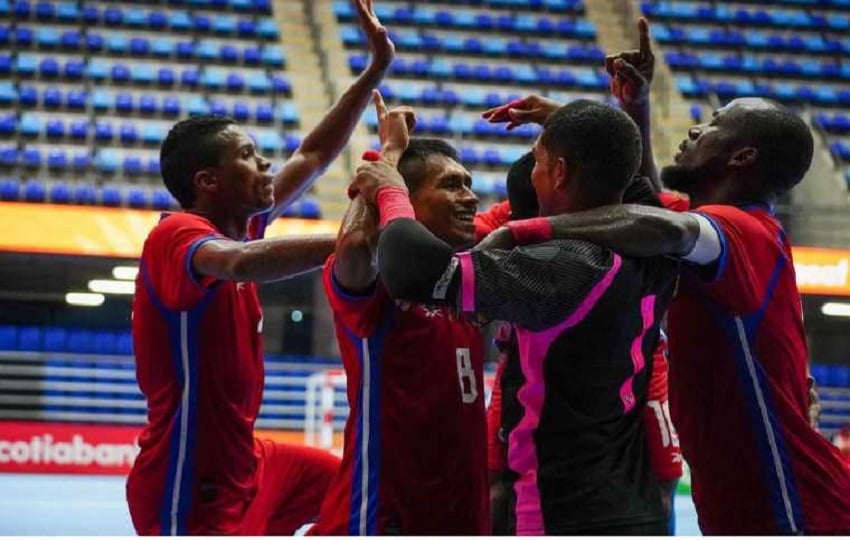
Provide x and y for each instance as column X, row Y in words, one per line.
column 239, row 266
column 682, row 234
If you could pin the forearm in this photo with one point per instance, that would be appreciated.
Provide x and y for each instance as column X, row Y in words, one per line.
column 329, row 137
column 640, row 113
column 279, row 258
column 412, row 261
column 630, row 229
column 356, row 265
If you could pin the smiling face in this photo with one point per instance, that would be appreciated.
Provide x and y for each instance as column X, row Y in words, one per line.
column 244, row 181
column 444, row 202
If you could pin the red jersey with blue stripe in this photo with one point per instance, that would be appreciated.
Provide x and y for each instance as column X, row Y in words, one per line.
column 738, row 392
column 199, row 363
column 415, row 452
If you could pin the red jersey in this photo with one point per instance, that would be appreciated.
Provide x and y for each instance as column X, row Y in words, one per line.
column 415, row 458
column 664, row 452
column 492, row 219
column 199, row 363
column 738, row 391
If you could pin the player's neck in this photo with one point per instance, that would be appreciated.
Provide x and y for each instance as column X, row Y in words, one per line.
column 231, row 225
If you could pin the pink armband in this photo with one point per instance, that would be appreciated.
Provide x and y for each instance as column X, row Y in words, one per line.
column 393, row 203
column 531, row 231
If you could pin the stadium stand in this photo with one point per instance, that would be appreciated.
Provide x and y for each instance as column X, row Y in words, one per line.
column 90, row 89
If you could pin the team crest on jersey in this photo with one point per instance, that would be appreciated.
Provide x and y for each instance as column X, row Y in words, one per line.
column 431, row 313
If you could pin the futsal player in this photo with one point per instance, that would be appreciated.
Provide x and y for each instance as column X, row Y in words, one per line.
column 197, row 326
column 739, row 396
column 414, row 457
column 587, row 323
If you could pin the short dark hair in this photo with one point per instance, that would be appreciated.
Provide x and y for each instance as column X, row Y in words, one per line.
column 599, row 142
column 521, row 193
column 412, row 162
column 190, row 145
column 784, row 143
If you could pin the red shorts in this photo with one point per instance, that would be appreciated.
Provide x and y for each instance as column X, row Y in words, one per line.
column 662, row 440
column 293, row 480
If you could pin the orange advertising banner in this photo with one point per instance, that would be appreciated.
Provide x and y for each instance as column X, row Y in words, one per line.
column 822, row 270
column 100, row 231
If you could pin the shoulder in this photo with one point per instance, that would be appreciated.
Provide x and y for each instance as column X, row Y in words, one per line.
column 170, row 223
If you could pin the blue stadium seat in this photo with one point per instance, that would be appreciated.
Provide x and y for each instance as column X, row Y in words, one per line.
column 55, row 340
column 162, row 48
column 251, row 56
column 35, row 191
column 30, row 338
column 124, row 102
column 162, row 199
column 56, row 159
column 31, row 124
column 185, row 49
column 8, row 124
column 228, row 54
column 171, row 106
column 60, row 193
column 85, row 194
column 55, row 128
column 8, row 94
column 121, row 73
column 24, row 36
column 217, row 108
column 272, row 56
column 224, row 24
column 48, row 67
column 103, row 131
column 135, row 17
column 113, row 16
column 94, row 41
column 107, row 161
column 152, row 134
column 101, row 99
column 147, row 104
column 128, row 134
column 179, row 20
column 8, row 335
column 190, row 77
column 28, row 95
column 81, row 341
column 246, row 28
column 201, row 23
column 197, row 106
column 91, row 14
column 110, row 196
column 124, row 343
column 241, row 112
column 165, row 77
column 137, row 198
column 259, row 83
column 98, row 69
column 67, row 12
column 74, row 69
column 235, row 82
column 22, row 9
column 207, row 50
column 47, row 38
column 9, row 187
column 104, row 342
column 71, row 40
column 264, row 113
column 140, row 46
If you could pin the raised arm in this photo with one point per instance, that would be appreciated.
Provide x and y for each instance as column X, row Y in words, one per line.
column 324, row 143
column 261, row 260
column 631, row 76
column 356, row 265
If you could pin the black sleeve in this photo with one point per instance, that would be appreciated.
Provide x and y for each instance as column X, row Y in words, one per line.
column 412, row 263
column 535, row 286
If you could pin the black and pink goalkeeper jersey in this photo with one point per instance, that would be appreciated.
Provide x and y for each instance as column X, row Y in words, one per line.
column 587, row 324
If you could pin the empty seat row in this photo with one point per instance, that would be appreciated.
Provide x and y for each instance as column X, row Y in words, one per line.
column 133, row 17
column 758, row 66
column 464, row 125
column 519, row 73
column 69, row 11
column 71, row 340
column 99, row 70
column 785, row 92
column 724, row 14
column 717, row 37
column 488, row 46
column 36, row 191
column 831, row 376
column 539, row 25
column 139, row 46
column 56, row 158
column 833, row 123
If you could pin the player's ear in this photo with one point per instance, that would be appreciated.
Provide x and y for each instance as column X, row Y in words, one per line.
column 561, row 173
column 744, row 157
column 205, row 180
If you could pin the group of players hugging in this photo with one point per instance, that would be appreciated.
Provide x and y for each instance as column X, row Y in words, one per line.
column 593, row 253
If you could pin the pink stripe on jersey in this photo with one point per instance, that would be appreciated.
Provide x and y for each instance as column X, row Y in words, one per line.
column 467, row 282
column 522, row 452
column 647, row 313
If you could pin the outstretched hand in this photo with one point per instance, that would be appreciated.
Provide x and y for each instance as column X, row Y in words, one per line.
column 394, row 127
column 382, row 47
column 632, row 71
column 532, row 109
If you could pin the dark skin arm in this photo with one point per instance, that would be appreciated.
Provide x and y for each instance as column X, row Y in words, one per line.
column 356, row 263
column 262, row 260
column 633, row 230
column 326, row 140
column 631, row 76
